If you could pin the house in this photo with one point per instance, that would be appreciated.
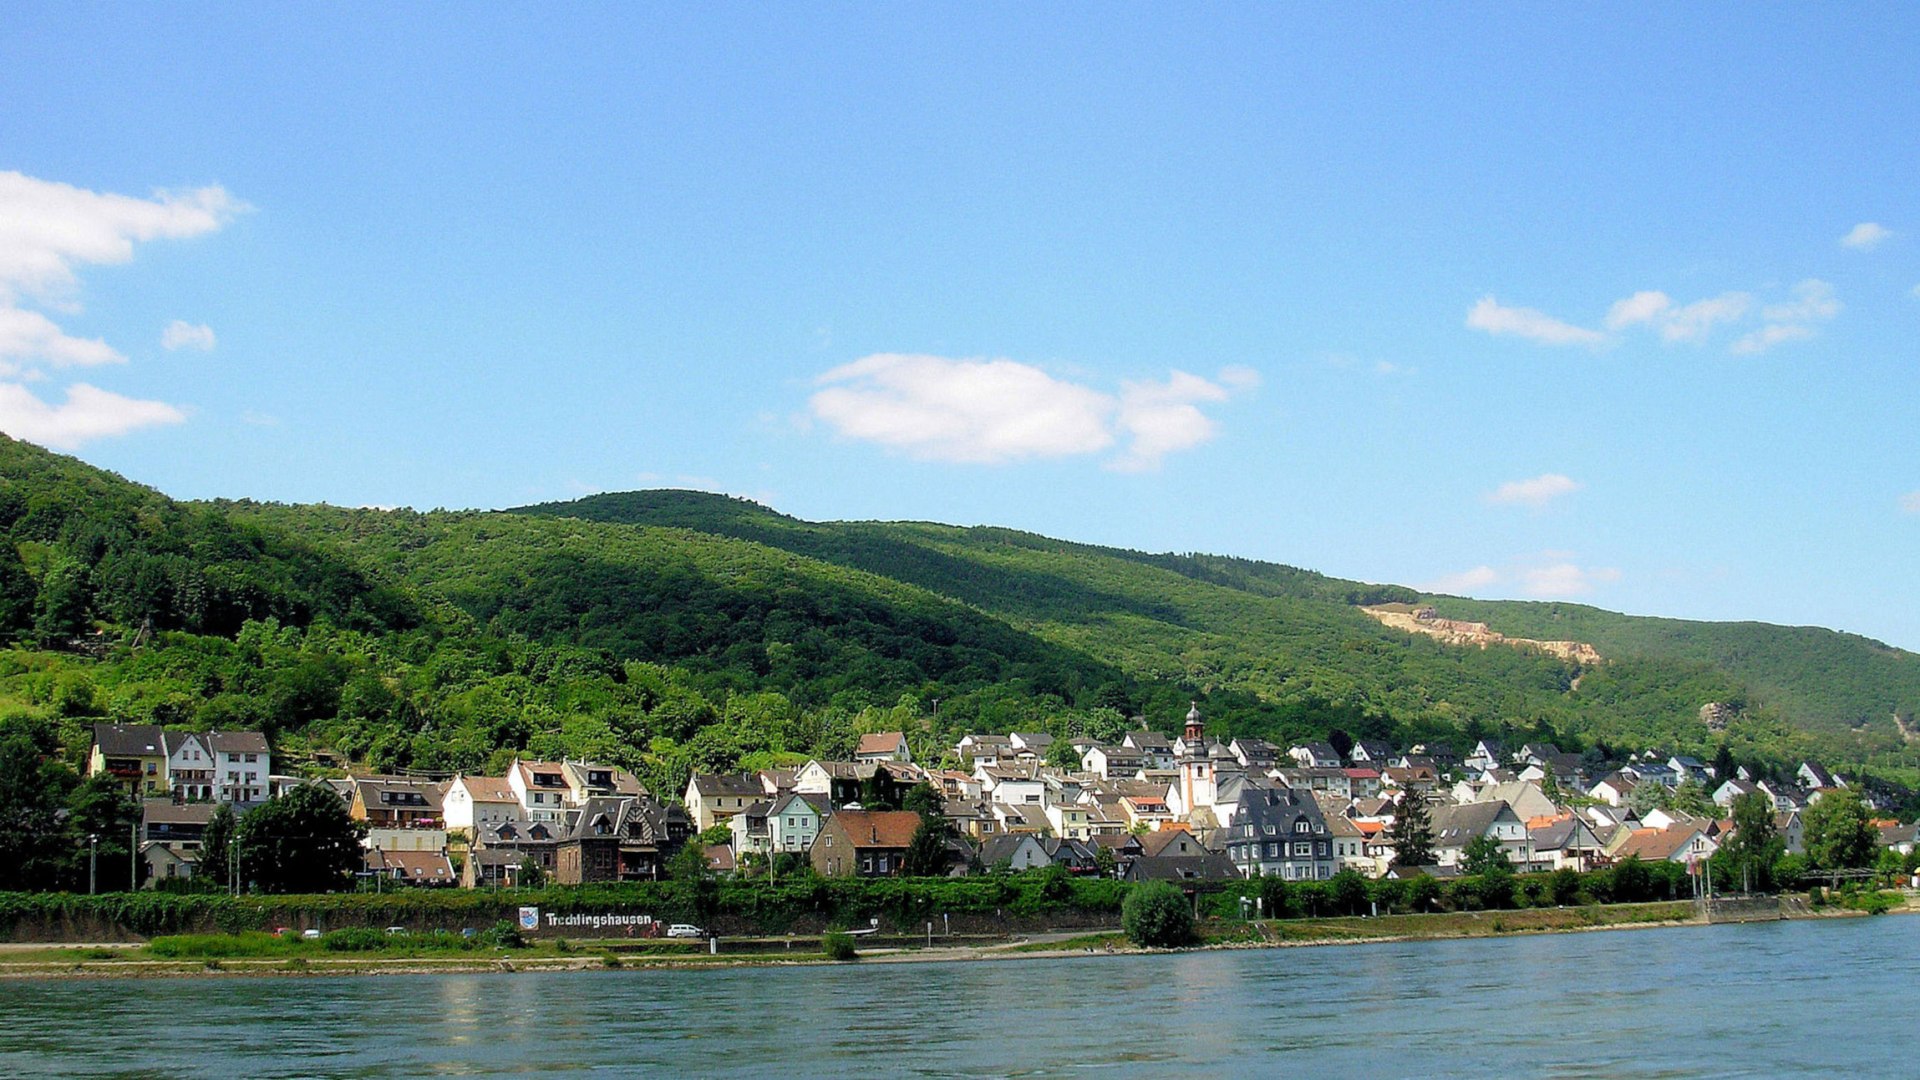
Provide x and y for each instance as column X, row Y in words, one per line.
column 977, row 750
column 626, row 838
column 1069, row 821
column 786, row 824
column 134, row 754
column 542, row 788
column 863, row 843
column 1362, row 782
column 1526, row 798
column 1895, row 836
column 1486, row 754
column 1176, row 855
column 1315, row 755
column 1614, row 788
column 1156, row 748
column 1255, row 754
column 711, row 799
column 190, row 769
column 1019, row 818
column 1564, row 842
column 1011, row 784
column 1681, row 843
column 1112, row 762
column 474, row 802
column 1815, row 776
column 1540, row 753
column 241, row 763
column 1372, row 752
column 163, row 862
column 586, row 780
column 883, row 746
column 177, row 825
column 1280, row 833
column 1788, row 826
column 1725, row 794
column 426, row 868
column 397, row 802
column 1025, row 852
column 495, row 853
column 1416, row 778
column 1785, row 796
column 1351, row 847
column 1454, row 827
column 1030, row 746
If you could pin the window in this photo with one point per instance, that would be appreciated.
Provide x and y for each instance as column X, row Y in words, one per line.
column 1302, row 826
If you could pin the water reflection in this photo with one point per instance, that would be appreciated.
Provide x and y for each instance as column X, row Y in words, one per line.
column 1775, row 999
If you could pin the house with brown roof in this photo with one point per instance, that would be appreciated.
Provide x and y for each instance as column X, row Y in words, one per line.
column 430, row 868
column 1681, row 843
column 474, row 802
column 863, row 843
column 541, row 787
column 883, row 746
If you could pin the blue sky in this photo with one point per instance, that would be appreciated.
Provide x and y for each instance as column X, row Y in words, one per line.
column 1613, row 304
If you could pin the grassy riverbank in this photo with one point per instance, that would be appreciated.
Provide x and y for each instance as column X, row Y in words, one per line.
column 264, row 954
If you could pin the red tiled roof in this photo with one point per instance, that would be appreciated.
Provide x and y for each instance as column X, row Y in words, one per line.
column 879, row 828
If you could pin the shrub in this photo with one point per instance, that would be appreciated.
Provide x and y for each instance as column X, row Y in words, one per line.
column 360, row 940
column 1423, row 891
column 1156, row 915
column 503, row 935
column 839, row 946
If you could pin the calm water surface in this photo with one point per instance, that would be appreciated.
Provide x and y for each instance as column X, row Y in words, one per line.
column 1770, row 999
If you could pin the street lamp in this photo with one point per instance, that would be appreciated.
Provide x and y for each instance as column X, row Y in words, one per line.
column 93, row 860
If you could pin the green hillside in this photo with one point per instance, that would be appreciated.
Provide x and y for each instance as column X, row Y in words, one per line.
column 669, row 631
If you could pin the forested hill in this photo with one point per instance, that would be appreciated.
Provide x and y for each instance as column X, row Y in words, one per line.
column 668, row 631
column 1817, row 680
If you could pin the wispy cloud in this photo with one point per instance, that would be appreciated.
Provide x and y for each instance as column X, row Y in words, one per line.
column 1811, row 301
column 1464, row 582
column 1494, row 318
column 181, row 334
column 1538, row 491
column 998, row 411
column 1866, row 236
column 1546, row 576
column 49, row 231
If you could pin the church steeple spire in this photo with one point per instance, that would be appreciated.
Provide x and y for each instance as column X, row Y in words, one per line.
column 1195, row 729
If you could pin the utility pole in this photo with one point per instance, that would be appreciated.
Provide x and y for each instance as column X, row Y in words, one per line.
column 93, row 861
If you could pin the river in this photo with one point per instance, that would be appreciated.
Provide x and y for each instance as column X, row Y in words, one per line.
column 1767, row 999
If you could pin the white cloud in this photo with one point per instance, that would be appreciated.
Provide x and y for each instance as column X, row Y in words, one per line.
column 181, row 334
column 1538, row 491
column 1563, row 579
column 1641, row 307
column 1161, row 418
column 1910, row 502
column 1690, row 322
column 1490, row 316
column 1697, row 320
column 1866, row 236
column 1239, row 377
column 48, row 231
column 30, row 338
column 88, row 413
column 1813, row 301
column 49, row 228
column 1546, row 575
column 998, row 411
column 1464, row 582
column 1767, row 337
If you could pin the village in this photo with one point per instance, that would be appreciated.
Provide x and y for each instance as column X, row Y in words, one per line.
column 1144, row 808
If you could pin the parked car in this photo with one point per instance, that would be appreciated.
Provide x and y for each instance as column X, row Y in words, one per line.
column 310, row 934
column 396, row 931
column 685, row 930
